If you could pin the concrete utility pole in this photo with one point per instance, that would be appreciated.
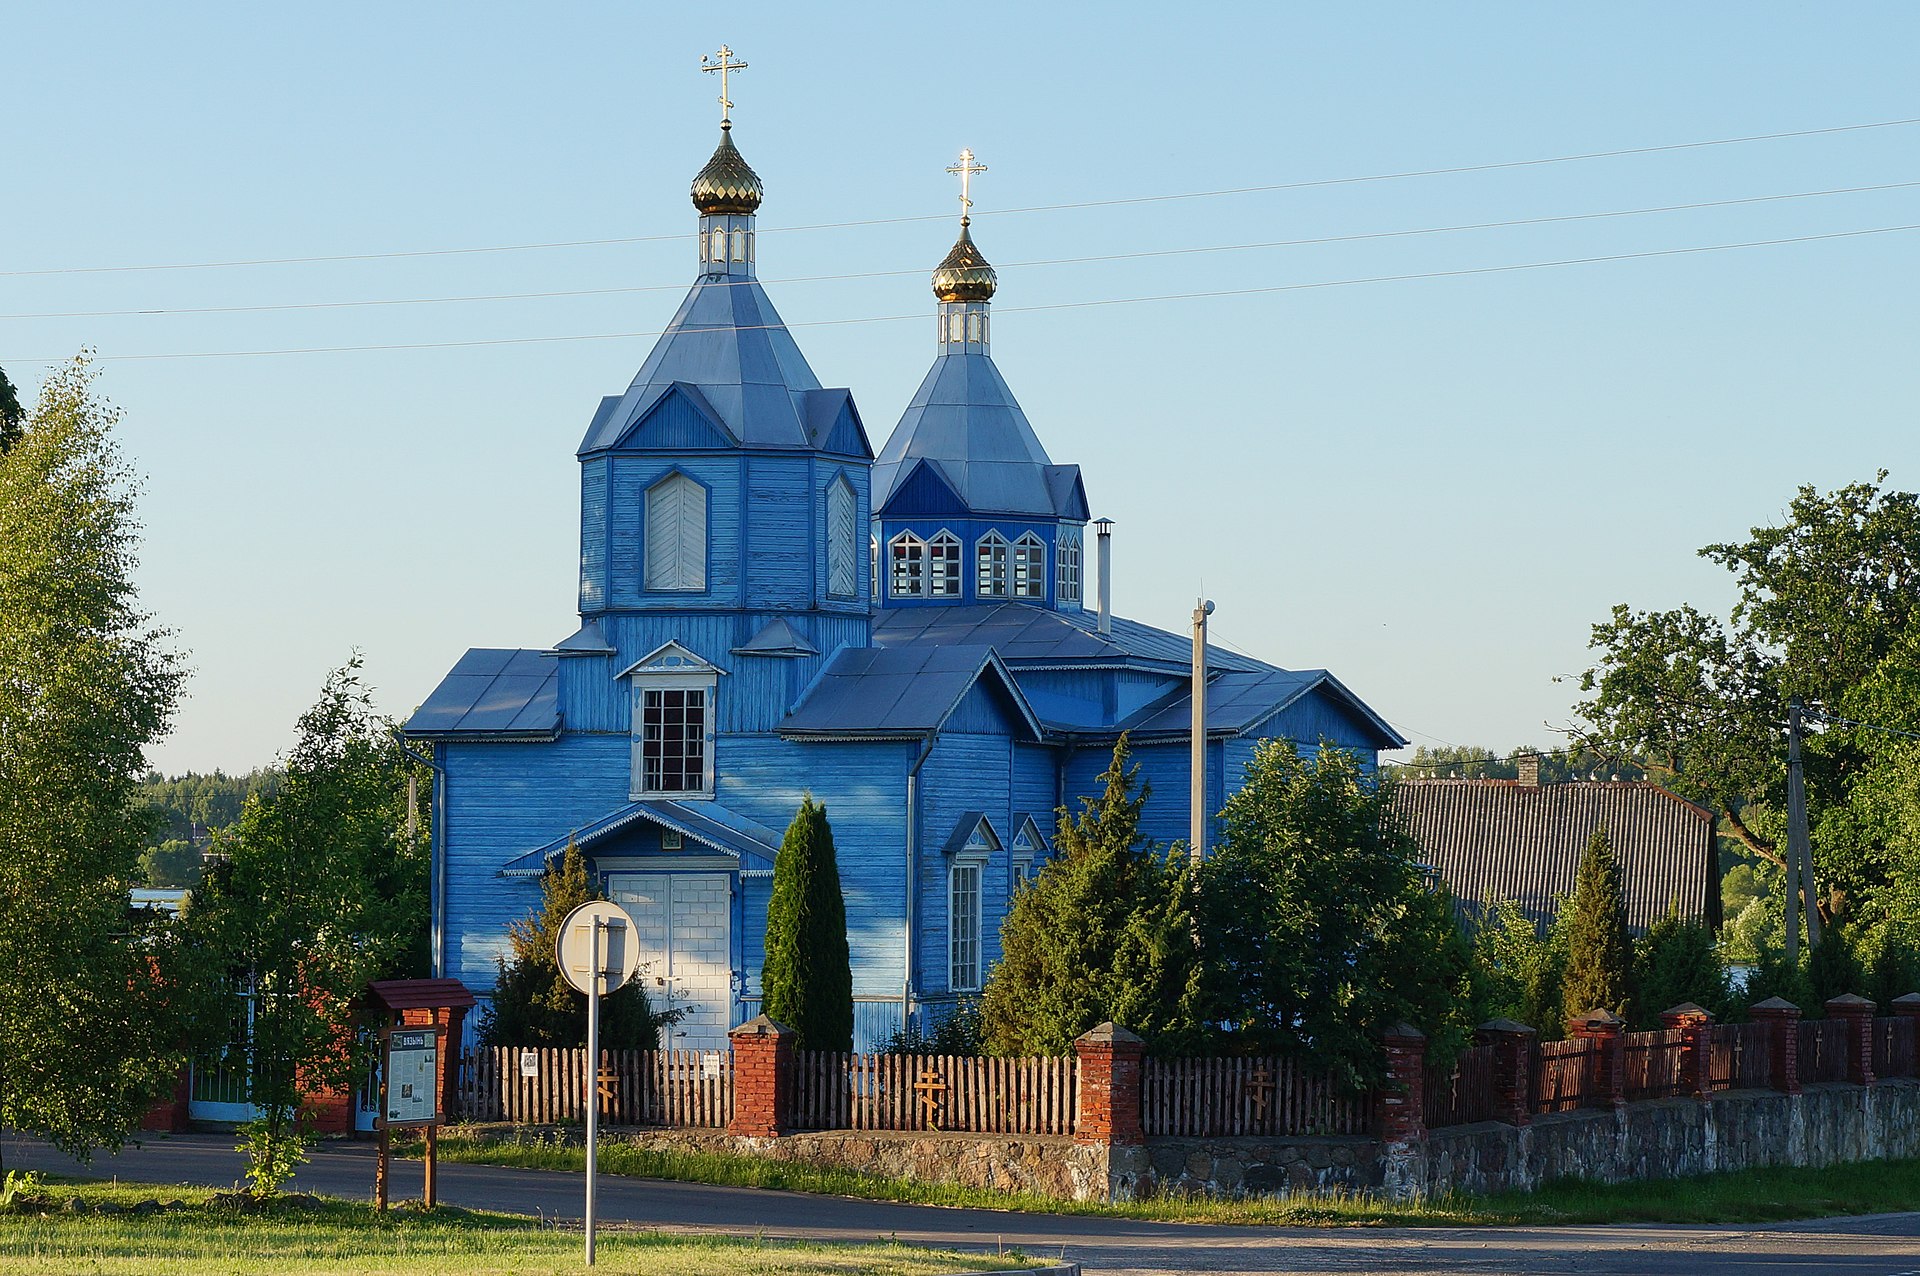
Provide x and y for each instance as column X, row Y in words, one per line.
column 1197, row 830
column 1800, row 891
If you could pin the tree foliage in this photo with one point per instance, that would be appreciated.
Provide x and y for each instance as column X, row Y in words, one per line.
column 13, row 418
column 322, row 891
column 1104, row 931
column 1517, row 970
column 534, row 1005
column 1317, row 929
column 806, row 982
column 1599, row 949
column 1677, row 961
column 1475, row 762
column 92, row 1010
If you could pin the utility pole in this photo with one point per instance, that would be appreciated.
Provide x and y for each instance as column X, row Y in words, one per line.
column 1800, row 890
column 1197, row 827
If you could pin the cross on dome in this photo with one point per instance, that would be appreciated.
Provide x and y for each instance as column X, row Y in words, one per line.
column 966, row 168
column 723, row 63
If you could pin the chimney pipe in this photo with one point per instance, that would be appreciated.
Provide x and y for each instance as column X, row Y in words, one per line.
column 1104, row 528
column 1529, row 769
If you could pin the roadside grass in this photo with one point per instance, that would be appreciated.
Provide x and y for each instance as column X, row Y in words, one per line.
column 301, row 1236
column 1749, row 1196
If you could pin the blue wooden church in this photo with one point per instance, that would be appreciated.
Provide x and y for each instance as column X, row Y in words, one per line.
column 768, row 609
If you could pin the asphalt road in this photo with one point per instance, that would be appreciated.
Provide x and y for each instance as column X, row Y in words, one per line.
column 1879, row 1245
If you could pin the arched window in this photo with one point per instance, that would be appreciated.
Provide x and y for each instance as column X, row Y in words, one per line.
column 843, row 570
column 873, row 565
column 990, row 570
column 907, row 556
column 976, row 327
column 943, row 566
column 1029, row 567
column 956, row 327
column 676, row 537
column 718, row 252
column 1066, row 582
column 739, row 245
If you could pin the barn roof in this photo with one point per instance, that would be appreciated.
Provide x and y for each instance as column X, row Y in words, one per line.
column 492, row 692
column 900, row 691
column 1513, row 840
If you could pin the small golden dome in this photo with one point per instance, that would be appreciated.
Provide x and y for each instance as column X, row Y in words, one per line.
column 965, row 274
column 727, row 185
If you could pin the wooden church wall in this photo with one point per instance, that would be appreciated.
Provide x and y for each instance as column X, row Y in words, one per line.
column 594, row 477
column 858, row 477
column 1035, row 780
column 779, row 540
column 633, row 474
column 964, row 773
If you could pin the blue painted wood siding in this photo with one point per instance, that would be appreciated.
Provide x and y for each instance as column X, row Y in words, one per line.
column 964, row 773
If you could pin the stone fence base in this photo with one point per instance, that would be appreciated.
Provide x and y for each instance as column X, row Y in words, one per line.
column 1666, row 1138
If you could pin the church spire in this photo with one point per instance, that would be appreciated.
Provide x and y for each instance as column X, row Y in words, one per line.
column 727, row 191
column 964, row 283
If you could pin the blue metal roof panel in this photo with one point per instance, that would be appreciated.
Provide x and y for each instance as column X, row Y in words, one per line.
column 897, row 690
column 708, row 823
column 493, row 691
column 964, row 417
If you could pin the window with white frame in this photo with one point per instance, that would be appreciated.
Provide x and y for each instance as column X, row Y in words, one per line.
column 873, row 565
column 943, row 566
column 672, row 752
column 739, row 245
column 843, row 572
column 907, row 566
column 1029, row 567
column 990, row 568
column 718, row 251
column 963, row 926
column 676, row 548
column 1066, row 584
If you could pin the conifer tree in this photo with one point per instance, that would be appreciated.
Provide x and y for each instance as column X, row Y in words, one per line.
column 534, row 1005
column 1677, row 961
column 1599, row 951
column 1103, row 932
column 806, row 982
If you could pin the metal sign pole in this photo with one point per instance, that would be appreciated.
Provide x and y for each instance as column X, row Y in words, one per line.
column 593, row 1074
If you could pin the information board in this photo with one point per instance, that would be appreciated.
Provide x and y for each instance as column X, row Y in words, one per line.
column 412, row 1095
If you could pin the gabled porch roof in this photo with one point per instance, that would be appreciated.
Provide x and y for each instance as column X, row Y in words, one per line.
column 707, row 823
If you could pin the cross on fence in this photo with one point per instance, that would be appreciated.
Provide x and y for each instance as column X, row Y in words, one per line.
column 1260, row 1089
column 930, row 1087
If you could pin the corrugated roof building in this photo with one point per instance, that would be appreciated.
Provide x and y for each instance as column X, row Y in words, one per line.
column 1522, row 840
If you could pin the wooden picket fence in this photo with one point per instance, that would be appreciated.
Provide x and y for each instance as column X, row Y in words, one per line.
column 1651, row 1063
column 1823, row 1050
column 1462, row 1094
column 1267, row 1095
column 1742, row 1056
column 1562, row 1074
column 834, row 1090
column 637, row 1087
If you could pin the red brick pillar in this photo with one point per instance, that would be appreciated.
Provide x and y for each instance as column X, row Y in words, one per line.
column 762, row 1077
column 1400, row 1104
column 1858, row 1014
column 1696, row 1048
column 1907, row 1007
column 1784, row 1018
column 1607, row 1031
column 1108, row 1060
column 1512, row 1068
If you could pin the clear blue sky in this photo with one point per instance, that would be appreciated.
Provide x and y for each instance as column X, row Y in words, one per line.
column 1432, row 487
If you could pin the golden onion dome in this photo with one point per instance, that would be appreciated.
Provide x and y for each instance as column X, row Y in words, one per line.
column 965, row 274
column 727, row 185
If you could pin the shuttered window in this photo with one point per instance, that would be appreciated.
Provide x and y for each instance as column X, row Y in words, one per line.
column 843, row 569
column 676, row 535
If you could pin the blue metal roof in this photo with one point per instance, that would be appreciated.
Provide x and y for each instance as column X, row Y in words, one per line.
column 504, row 693
column 965, row 420
column 1239, row 702
column 730, row 348
column 1023, row 634
column 898, row 691
column 707, row 823
column 588, row 640
column 777, row 638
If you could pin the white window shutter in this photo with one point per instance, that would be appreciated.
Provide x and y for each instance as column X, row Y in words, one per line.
column 676, row 534
column 842, row 571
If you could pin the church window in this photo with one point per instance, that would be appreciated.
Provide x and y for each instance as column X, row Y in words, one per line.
column 943, row 566
column 873, row 565
column 739, row 245
column 990, row 566
column 843, row 572
column 676, row 536
column 963, row 926
column 1066, row 586
column 719, row 249
column 956, row 326
column 976, row 327
column 1029, row 567
column 907, row 559
column 672, row 753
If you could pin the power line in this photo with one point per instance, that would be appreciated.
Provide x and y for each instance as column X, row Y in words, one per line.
column 1018, row 265
column 1034, row 309
column 1006, row 212
column 1837, row 721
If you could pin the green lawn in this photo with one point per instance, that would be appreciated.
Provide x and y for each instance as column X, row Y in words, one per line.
column 305, row 1237
column 1747, row 1197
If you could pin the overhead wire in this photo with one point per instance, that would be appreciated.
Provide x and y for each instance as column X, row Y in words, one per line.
column 1357, row 237
column 1208, row 294
column 1453, row 170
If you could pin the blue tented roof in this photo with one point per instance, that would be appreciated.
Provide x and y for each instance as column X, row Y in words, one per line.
column 898, row 691
column 707, row 823
column 730, row 348
column 494, row 692
column 1025, row 634
column 965, row 420
column 776, row 638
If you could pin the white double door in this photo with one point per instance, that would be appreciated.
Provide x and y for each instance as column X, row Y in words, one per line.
column 685, row 951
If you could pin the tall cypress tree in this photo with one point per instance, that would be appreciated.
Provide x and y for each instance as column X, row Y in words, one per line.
column 1599, row 951
column 807, row 980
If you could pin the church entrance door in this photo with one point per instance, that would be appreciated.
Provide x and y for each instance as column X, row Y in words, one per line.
column 685, row 951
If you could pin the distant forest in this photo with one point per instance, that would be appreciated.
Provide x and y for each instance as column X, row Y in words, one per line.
column 187, row 815
column 1471, row 762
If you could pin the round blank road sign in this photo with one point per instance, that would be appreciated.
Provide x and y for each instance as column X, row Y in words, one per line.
column 598, row 933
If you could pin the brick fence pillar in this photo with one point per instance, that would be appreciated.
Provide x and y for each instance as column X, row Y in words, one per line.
column 762, row 1077
column 1607, row 1031
column 1512, row 1068
column 1696, row 1048
column 1400, row 1104
column 1857, row 1012
column 1107, row 1110
column 1907, row 1007
column 1783, row 1017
